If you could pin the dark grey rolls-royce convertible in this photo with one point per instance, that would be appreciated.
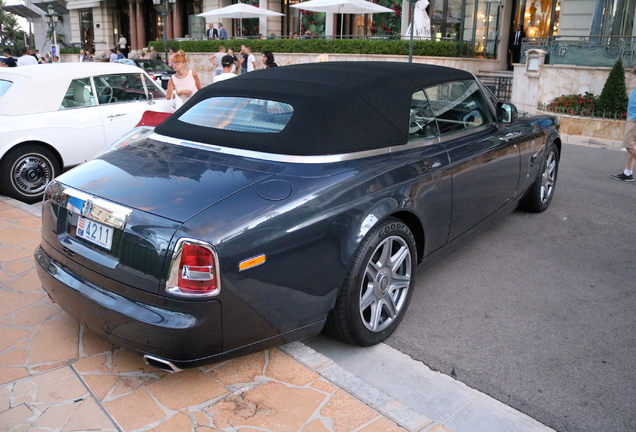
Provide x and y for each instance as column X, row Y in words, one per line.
column 285, row 201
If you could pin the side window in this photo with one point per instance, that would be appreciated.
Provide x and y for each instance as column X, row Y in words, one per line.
column 119, row 88
column 458, row 106
column 421, row 121
column 79, row 94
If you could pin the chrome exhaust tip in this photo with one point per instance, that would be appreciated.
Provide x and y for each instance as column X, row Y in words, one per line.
column 160, row 363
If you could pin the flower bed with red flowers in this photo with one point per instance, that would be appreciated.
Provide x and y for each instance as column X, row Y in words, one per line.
column 580, row 105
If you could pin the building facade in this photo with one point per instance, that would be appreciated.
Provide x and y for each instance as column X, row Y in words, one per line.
column 485, row 27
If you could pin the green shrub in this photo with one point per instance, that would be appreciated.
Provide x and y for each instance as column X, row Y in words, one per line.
column 69, row 50
column 320, row 46
column 613, row 99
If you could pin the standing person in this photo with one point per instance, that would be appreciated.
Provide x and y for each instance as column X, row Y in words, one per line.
column 119, row 54
column 152, row 55
column 9, row 60
column 123, row 45
column 113, row 57
column 171, row 55
column 515, row 45
column 83, row 57
column 243, row 59
column 268, row 60
column 222, row 32
column 25, row 59
column 251, row 60
column 216, row 59
column 230, row 52
column 227, row 62
column 184, row 83
column 212, row 32
column 629, row 139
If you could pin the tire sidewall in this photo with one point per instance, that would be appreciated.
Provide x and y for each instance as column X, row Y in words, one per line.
column 388, row 228
column 550, row 149
column 8, row 167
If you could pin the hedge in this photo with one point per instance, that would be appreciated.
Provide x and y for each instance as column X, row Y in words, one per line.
column 319, row 46
column 69, row 50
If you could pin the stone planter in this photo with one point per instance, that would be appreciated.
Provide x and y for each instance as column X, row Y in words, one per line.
column 600, row 131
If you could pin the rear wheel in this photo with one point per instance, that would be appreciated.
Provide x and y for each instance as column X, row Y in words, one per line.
column 378, row 288
column 540, row 194
column 25, row 171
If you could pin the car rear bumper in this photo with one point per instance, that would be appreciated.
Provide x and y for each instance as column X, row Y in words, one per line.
column 180, row 333
column 174, row 330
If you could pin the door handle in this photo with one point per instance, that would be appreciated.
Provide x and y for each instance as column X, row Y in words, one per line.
column 116, row 115
column 510, row 136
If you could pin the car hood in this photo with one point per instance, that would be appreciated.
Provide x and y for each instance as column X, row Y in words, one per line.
column 173, row 186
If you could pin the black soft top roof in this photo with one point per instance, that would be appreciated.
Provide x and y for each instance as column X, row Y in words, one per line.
column 339, row 107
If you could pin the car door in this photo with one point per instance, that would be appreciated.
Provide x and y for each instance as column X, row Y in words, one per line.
column 484, row 161
column 123, row 98
column 79, row 117
column 429, row 167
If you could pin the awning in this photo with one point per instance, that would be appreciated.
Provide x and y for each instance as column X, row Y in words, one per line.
column 59, row 6
column 72, row 5
column 22, row 10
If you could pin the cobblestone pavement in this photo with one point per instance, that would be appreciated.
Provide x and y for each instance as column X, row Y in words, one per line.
column 55, row 375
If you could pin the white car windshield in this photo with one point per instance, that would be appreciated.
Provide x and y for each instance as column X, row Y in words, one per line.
column 4, row 86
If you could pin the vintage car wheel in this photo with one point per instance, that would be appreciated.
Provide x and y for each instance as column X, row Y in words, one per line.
column 25, row 171
column 540, row 194
column 378, row 287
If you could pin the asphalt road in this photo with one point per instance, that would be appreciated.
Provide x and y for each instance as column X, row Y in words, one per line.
column 539, row 310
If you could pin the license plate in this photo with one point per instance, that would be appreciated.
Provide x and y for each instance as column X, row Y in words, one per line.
column 95, row 232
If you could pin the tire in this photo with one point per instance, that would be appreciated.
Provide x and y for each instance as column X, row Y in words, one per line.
column 377, row 290
column 25, row 171
column 540, row 194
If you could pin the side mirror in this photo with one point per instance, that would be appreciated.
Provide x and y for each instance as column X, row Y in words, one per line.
column 506, row 112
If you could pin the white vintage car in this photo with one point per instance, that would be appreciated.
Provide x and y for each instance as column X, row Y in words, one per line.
column 55, row 116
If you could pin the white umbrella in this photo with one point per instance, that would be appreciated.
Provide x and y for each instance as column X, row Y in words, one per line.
column 240, row 11
column 342, row 7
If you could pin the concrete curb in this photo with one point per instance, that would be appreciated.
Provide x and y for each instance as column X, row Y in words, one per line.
column 393, row 409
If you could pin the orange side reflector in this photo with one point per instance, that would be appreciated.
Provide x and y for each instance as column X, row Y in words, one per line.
column 252, row 262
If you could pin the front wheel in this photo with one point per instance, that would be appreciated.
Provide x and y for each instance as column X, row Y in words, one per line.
column 541, row 192
column 25, row 171
column 377, row 290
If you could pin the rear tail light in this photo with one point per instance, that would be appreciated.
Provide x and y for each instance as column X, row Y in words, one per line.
column 194, row 270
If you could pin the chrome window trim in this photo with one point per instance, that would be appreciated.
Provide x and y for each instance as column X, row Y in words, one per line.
column 273, row 157
column 462, row 133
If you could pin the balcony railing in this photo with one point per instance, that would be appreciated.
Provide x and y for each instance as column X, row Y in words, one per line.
column 585, row 51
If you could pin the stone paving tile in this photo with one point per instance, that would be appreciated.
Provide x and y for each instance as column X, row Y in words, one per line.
column 57, row 376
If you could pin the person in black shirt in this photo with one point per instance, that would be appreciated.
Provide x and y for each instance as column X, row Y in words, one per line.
column 515, row 45
column 9, row 60
column 268, row 60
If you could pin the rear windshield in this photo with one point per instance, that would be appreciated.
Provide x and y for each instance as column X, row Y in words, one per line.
column 4, row 86
column 153, row 65
column 240, row 114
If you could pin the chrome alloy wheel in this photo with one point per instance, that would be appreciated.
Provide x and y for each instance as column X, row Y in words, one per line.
column 385, row 284
column 31, row 173
column 548, row 177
